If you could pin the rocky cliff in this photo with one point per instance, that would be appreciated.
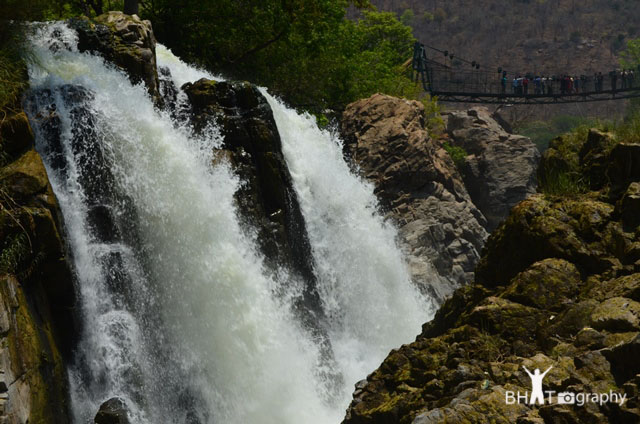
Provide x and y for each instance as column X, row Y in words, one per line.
column 36, row 289
column 443, row 213
column 500, row 169
column 557, row 286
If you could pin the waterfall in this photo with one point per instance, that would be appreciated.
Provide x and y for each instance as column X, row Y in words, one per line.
column 179, row 315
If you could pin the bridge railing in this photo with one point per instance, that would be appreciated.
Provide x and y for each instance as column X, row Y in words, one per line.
column 488, row 83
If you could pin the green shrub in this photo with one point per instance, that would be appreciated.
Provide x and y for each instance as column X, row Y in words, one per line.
column 12, row 79
column 457, row 153
column 14, row 253
column 563, row 183
column 433, row 115
column 322, row 120
column 629, row 130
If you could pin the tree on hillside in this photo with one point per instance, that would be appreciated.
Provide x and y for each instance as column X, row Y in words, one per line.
column 305, row 50
column 630, row 58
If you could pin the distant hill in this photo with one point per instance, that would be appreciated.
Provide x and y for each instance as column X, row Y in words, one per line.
column 538, row 36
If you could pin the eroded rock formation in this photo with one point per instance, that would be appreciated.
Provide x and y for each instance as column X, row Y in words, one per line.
column 443, row 213
column 500, row 170
column 420, row 187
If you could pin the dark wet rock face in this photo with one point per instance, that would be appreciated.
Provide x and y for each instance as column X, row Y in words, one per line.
column 624, row 166
column 252, row 146
column 558, row 285
column 420, row 188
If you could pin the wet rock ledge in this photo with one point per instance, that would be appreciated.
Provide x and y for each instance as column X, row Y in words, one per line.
column 36, row 286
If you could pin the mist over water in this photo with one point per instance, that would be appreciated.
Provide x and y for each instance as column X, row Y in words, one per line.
column 180, row 316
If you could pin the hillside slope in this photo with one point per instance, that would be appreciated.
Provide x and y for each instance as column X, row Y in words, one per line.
column 541, row 36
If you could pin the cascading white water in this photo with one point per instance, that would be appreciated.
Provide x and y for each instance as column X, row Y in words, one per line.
column 363, row 281
column 197, row 333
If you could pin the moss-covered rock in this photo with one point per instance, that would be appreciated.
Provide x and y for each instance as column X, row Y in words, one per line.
column 25, row 177
column 548, row 284
column 629, row 206
column 593, row 157
column 540, row 228
column 581, row 163
column 125, row 40
column 15, row 136
column 36, row 289
column 616, row 314
column 623, row 166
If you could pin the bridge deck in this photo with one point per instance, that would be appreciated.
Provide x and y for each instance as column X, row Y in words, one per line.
column 538, row 99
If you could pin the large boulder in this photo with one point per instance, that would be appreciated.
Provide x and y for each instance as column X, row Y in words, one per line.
column 113, row 411
column 500, row 169
column 420, row 188
column 580, row 231
column 125, row 40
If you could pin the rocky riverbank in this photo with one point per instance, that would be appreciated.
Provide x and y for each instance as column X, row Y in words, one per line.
column 557, row 286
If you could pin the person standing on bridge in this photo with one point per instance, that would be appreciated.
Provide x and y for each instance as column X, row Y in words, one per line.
column 614, row 80
column 600, row 82
column 514, row 84
column 631, row 78
column 569, row 85
column 525, row 85
column 623, row 78
column 503, row 83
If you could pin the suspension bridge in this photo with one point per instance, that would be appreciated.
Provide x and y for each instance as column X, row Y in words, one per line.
column 477, row 85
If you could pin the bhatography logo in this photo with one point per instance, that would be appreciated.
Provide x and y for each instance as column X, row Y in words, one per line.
column 537, row 395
